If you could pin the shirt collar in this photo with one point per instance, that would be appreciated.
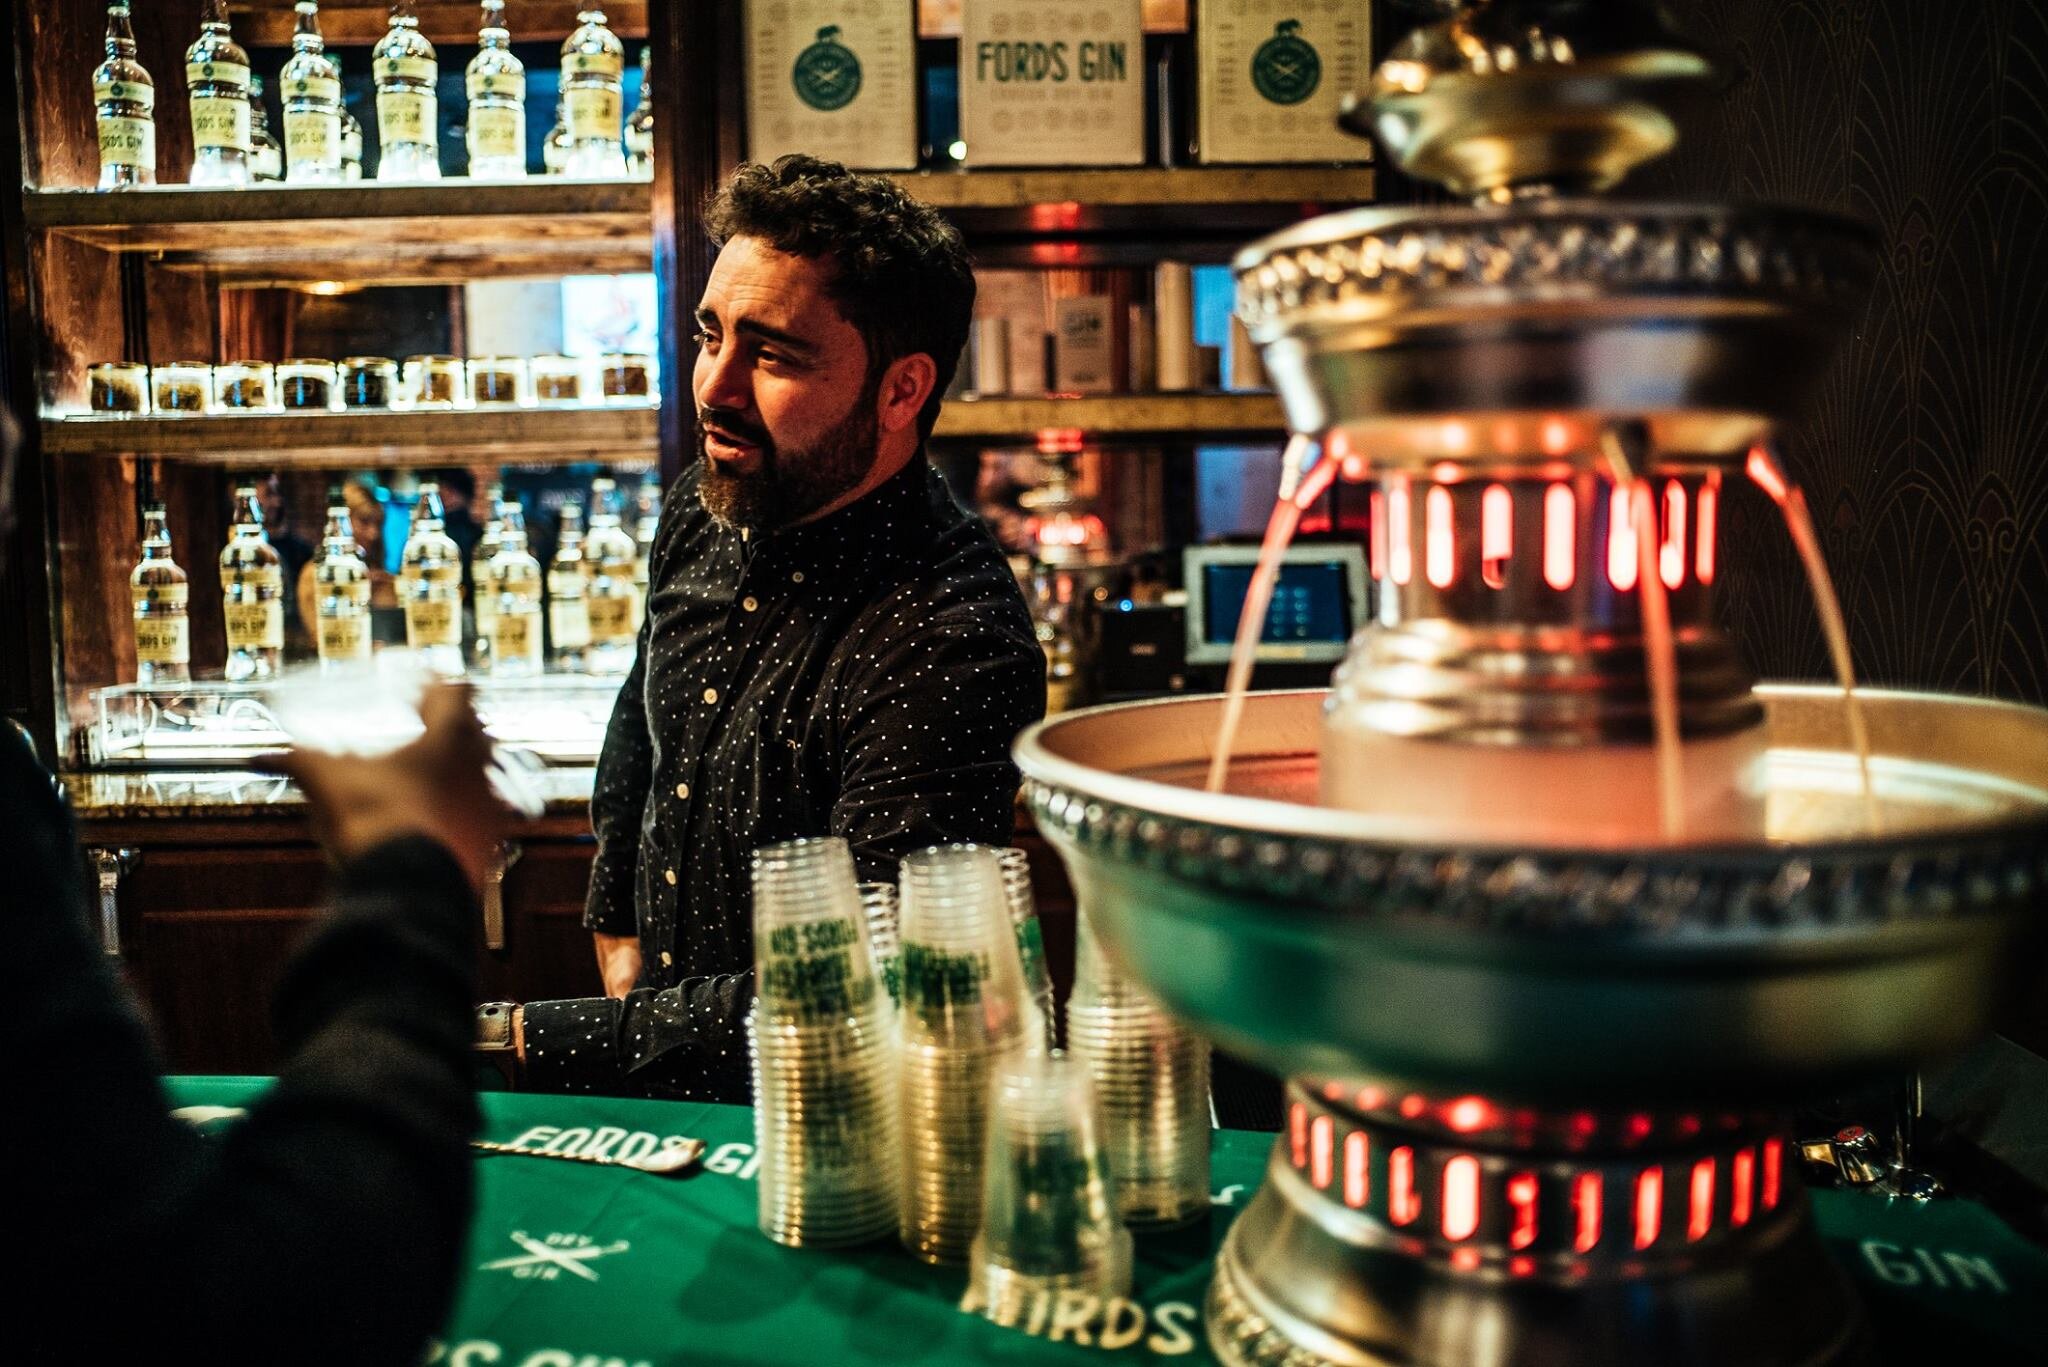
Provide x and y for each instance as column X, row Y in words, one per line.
column 882, row 516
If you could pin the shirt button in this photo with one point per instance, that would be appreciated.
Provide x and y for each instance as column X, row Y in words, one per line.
column 710, row 695
column 670, row 875
column 749, row 603
column 682, row 790
column 796, row 577
column 666, row 958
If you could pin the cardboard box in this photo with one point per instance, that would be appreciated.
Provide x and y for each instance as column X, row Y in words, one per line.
column 833, row 79
column 1052, row 83
column 1271, row 74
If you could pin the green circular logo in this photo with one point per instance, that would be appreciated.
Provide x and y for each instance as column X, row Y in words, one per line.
column 1286, row 69
column 827, row 74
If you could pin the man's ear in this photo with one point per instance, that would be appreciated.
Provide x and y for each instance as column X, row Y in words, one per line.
column 905, row 387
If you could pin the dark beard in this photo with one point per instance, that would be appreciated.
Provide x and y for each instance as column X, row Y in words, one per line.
column 789, row 486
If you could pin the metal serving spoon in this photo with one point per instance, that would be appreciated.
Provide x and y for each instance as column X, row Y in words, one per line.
column 671, row 1160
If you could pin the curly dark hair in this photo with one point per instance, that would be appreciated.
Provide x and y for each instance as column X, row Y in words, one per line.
column 901, row 273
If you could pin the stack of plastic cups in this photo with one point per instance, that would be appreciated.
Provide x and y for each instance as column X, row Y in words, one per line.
column 885, row 936
column 1050, row 1227
column 823, row 1053
column 964, row 1011
column 1151, row 1077
column 1030, row 938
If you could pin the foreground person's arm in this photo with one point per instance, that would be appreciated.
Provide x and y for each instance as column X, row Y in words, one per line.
column 325, row 1227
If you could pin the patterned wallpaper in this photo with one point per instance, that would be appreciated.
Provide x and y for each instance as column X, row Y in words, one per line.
column 1926, row 458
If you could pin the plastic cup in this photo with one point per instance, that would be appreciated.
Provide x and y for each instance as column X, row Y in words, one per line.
column 1023, row 906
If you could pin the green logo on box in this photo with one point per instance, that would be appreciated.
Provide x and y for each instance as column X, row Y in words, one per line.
column 1286, row 69
column 827, row 74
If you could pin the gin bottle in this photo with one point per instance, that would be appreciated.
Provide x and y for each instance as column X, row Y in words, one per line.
column 162, row 596
column 609, row 558
column 217, row 76
column 430, row 585
column 124, row 103
column 311, row 87
column 252, row 593
column 646, row 522
column 640, row 125
column 568, row 607
column 351, row 142
column 554, row 149
column 484, row 594
column 515, row 621
column 593, row 65
column 496, row 84
column 342, row 588
column 266, row 158
column 408, row 118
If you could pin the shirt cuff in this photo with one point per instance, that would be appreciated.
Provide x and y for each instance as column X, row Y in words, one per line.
column 573, row 1046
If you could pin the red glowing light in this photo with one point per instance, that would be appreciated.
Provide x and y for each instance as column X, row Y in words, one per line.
column 1621, row 542
column 1741, row 1175
column 1439, row 553
column 1355, row 468
column 1297, row 1134
column 1376, row 511
column 1400, row 556
column 1686, row 1126
column 1065, row 214
column 1560, row 536
column 1496, row 534
column 1470, row 1113
column 1521, row 1265
column 1671, row 547
column 1585, row 1125
column 1403, row 1205
column 1461, row 1197
column 1774, row 1171
column 1522, row 1192
column 1699, row 1212
column 1413, row 1106
column 1709, row 506
column 1357, row 1181
column 1649, row 1205
column 1371, row 1098
column 1333, row 1091
column 1314, row 483
column 1767, row 476
column 1557, row 437
column 1585, row 1211
column 1465, row 1259
column 1321, row 1151
column 1054, row 441
column 1639, row 1127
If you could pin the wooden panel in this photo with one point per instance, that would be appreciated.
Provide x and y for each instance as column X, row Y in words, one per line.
column 319, row 440
column 547, row 954
column 1059, row 194
column 941, row 18
column 268, row 23
column 1112, row 415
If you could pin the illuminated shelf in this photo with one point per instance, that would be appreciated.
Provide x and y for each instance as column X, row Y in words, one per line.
column 311, row 440
column 1140, row 187
column 365, row 232
column 1112, row 415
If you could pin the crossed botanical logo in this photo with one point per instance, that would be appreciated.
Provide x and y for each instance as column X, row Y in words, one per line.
column 546, row 1259
column 1286, row 69
column 827, row 74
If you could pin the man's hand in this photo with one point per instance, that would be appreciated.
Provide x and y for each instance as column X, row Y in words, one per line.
column 618, row 962
column 436, row 786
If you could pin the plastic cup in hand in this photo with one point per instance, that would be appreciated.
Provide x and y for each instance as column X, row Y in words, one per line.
column 1050, row 1222
column 1016, row 867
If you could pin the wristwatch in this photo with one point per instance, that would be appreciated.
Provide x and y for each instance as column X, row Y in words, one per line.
column 494, row 1027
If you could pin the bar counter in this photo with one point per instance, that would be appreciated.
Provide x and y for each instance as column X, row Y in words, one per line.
column 569, row 1263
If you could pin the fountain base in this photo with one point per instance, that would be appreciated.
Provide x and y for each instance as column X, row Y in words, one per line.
column 1388, row 1236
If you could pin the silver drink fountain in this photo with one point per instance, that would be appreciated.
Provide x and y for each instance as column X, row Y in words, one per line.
column 1543, row 1027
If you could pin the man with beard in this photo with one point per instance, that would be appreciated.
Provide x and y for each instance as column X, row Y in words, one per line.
column 831, row 645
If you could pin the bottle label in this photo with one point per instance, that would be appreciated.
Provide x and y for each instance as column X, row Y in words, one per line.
column 516, row 635
column 405, row 116
column 221, row 121
column 220, row 73
column 312, row 88
column 344, row 638
column 569, row 622
column 611, row 619
column 423, row 69
column 163, row 640
column 593, row 114
column 433, row 622
column 144, row 95
column 600, row 63
column 501, row 84
column 256, row 626
column 312, row 138
column 496, row 132
column 127, row 142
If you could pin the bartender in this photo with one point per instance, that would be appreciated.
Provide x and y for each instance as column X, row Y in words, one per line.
column 832, row 646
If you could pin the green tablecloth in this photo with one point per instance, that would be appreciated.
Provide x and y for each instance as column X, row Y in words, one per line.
column 579, row 1266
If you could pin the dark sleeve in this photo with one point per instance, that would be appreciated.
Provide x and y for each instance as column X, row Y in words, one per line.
column 618, row 804
column 347, row 1186
column 686, row 1042
column 926, row 732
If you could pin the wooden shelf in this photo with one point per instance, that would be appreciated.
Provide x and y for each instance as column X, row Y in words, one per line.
column 550, row 436
column 1060, row 193
column 1112, row 415
column 365, row 232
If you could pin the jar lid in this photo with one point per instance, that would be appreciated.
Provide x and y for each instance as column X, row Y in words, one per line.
column 117, row 365
column 308, row 360
column 366, row 362
column 186, row 365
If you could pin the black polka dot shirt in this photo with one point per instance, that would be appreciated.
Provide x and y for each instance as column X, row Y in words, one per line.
column 859, row 676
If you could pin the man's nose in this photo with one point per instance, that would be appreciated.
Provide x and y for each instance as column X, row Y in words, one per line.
column 723, row 380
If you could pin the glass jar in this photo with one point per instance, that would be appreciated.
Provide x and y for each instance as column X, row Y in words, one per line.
column 557, row 379
column 118, row 387
column 626, row 377
column 243, row 385
column 497, row 380
column 368, row 381
column 433, row 381
column 183, row 387
column 306, row 383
